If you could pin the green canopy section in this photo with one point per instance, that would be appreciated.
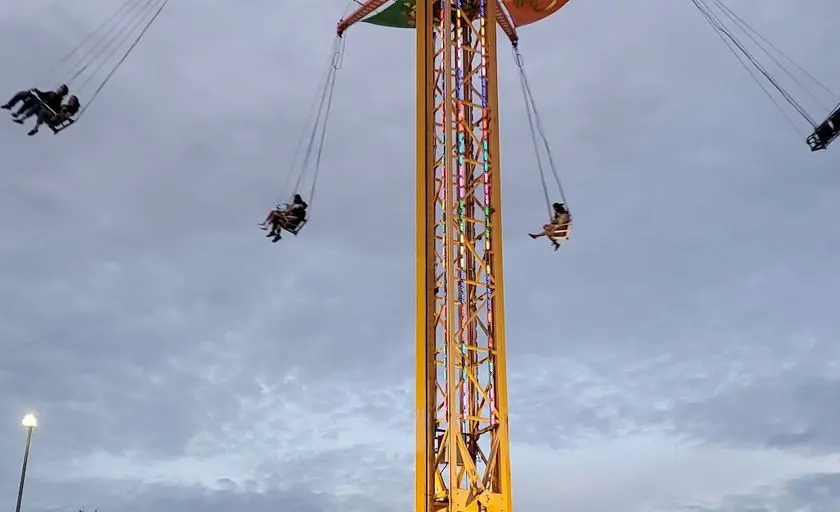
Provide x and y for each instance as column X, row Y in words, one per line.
column 400, row 14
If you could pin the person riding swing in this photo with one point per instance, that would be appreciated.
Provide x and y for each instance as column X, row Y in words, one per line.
column 288, row 217
column 55, row 120
column 558, row 228
column 34, row 102
column 31, row 98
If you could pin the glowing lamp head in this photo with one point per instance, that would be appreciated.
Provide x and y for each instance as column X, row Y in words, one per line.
column 29, row 421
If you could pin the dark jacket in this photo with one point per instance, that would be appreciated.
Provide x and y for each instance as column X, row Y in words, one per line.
column 52, row 99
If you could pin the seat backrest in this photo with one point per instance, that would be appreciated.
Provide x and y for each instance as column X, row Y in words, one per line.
column 561, row 232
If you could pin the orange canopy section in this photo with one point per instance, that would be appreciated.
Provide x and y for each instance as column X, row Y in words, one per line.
column 525, row 12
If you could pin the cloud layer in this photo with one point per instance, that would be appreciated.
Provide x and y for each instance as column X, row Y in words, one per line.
column 677, row 355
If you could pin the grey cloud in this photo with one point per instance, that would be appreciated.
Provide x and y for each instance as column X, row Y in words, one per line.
column 810, row 493
column 749, row 396
column 786, row 412
column 141, row 313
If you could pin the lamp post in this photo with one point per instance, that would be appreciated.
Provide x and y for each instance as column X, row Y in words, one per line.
column 30, row 422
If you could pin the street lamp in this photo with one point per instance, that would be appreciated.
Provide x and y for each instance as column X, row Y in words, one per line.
column 30, row 422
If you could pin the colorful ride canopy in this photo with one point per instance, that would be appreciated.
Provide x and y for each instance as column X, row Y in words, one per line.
column 401, row 13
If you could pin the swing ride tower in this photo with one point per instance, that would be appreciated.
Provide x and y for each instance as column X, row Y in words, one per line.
column 462, row 451
column 462, row 444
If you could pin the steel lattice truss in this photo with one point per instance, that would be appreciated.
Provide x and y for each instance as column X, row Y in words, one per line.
column 470, row 447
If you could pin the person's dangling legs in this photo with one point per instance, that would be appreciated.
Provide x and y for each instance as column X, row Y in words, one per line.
column 27, row 111
column 545, row 230
column 17, row 98
column 29, row 103
column 43, row 117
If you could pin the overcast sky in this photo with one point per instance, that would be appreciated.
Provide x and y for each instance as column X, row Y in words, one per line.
column 678, row 355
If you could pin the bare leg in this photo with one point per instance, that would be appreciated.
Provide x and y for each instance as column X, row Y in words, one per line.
column 270, row 219
column 553, row 231
column 545, row 231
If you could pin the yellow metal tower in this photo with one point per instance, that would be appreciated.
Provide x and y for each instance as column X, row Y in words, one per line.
column 463, row 457
column 463, row 454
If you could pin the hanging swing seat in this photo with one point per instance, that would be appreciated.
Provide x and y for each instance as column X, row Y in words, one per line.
column 558, row 227
column 85, row 64
column 726, row 23
column 557, row 234
column 561, row 232
column 295, row 230
column 55, row 127
column 65, row 123
column 825, row 133
column 287, row 223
